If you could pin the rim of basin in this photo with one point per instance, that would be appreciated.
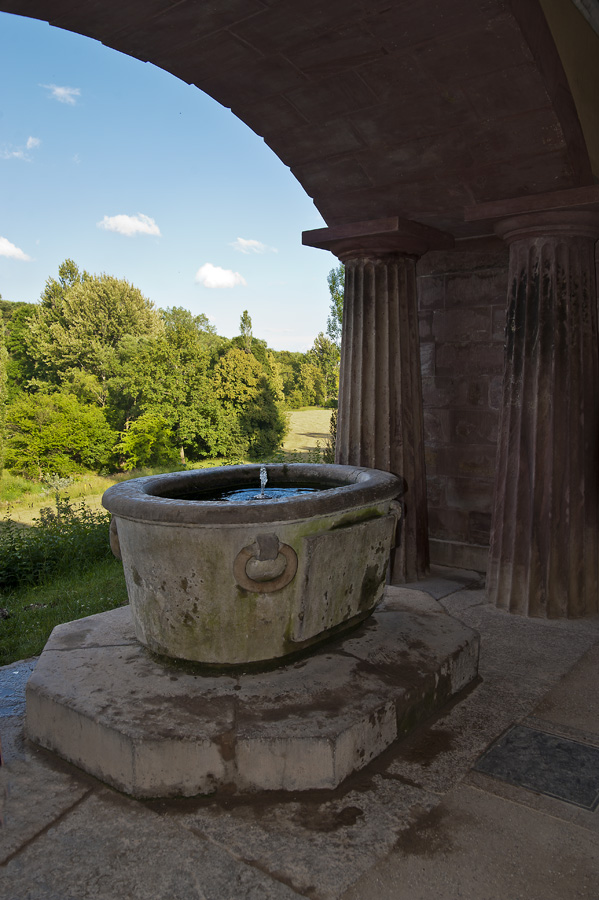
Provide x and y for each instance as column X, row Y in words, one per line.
column 341, row 487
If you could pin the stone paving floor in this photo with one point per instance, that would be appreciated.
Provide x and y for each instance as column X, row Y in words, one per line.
column 420, row 822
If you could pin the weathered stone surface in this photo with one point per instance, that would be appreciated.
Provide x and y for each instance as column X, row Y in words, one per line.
column 462, row 366
column 520, row 860
column 112, row 847
column 477, row 460
column 459, row 553
column 449, row 524
column 152, row 728
column 431, row 291
column 32, row 796
column 319, row 843
column 222, row 584
column 464, row 324
column 380, row 395
column 436, row 263
column 571, row 705
column 455, row 391
column 544, row 557
column 483, row 358
column 475, row 289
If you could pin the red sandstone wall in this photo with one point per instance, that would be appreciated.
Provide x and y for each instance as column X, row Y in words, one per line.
column 462, row 298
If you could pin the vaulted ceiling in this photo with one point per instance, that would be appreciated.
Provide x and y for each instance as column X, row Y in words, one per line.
column 412, row 108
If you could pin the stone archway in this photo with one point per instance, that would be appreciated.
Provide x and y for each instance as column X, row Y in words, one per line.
column 396, row 118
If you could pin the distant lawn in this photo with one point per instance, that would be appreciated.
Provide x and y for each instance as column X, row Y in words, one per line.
column 308, row 429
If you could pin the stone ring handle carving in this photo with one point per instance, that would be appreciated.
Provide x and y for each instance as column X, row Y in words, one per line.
column 272, row 564
column 397, row 508
column 114, row 539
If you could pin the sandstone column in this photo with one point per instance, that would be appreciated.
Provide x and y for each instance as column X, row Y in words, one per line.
column 380, row 395
column 544, row 557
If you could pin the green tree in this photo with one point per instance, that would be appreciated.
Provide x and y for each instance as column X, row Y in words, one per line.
column 55, row 434
column 147, row 442
column 250, row 394
column 325, row 356
column 237, row 374
column 263, row 422
column 191, row 333
column 171, row 375
column 16, row 318
column 245, row 330
column 336, row 282
column 81, row 322
column 68, row 275
column 3, row 392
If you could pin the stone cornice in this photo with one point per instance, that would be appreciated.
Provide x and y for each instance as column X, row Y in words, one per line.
column 378, row 238
column 583, row 198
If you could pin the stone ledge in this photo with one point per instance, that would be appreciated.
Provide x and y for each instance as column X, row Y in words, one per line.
column 151, row 729
column 456, row 554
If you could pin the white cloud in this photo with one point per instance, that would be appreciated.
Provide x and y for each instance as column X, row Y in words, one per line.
column 10, row 152
column 19, row 153
column 130, row 225
column 215, row 277
column 248, row 245
column 11, row 251
column 63, row 94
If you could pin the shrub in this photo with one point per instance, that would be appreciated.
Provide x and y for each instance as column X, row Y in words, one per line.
column 328, row 455
column 70, row 539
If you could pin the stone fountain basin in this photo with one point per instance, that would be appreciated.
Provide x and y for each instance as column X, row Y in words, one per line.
column 225, row 583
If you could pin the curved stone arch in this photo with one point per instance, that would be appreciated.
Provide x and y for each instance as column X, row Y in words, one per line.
column 410, row 123
column 379, row 108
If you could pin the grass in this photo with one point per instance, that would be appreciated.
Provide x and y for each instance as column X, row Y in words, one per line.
column 308, row 429
column 59, row 569
column 28, row 614
column 55, row 569
column 24, row 503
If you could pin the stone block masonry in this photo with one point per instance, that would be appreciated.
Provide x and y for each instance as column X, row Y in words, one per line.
column 461, row 300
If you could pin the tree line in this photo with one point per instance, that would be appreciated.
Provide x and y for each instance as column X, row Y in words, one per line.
column 95, row 377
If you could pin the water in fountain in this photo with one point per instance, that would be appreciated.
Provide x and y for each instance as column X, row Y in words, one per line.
column 247, row 495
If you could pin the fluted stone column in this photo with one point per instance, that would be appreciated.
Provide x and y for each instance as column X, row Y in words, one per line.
column 380, row 420
column 544, row 557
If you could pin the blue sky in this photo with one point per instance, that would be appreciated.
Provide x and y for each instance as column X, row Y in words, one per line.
column 127, row 170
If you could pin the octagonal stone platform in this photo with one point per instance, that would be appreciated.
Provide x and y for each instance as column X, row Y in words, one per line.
column 154, row 729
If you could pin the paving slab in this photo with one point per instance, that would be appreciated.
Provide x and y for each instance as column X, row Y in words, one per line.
column 572, row 706
column 417, row 822
column 319, row 842
column 478, row 846
column 32, row 796
column 520, row 660
column 550, row 806
column 443, row 581
column 109, row 847
column 525, row 651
